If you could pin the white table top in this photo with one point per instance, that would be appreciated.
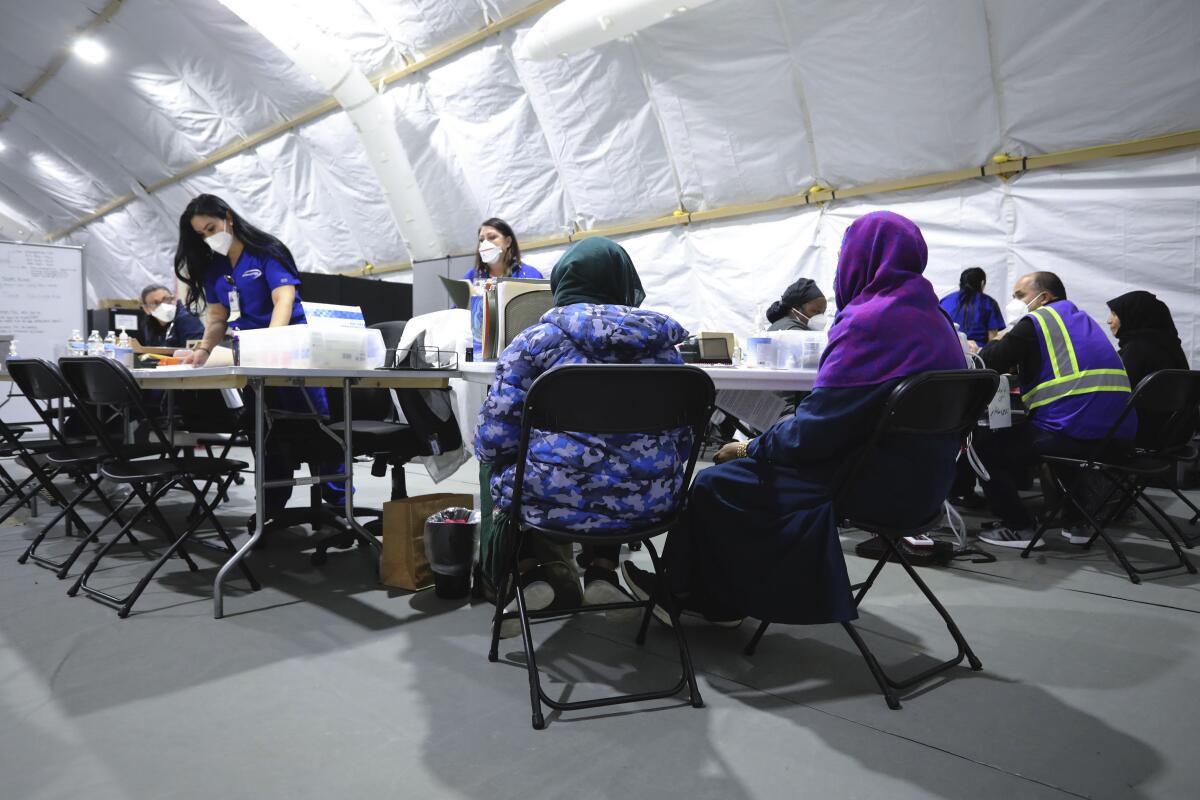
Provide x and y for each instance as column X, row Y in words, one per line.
column 724, row 378
column 236, row 377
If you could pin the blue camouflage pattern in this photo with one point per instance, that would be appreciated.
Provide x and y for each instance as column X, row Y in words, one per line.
column 575, row 481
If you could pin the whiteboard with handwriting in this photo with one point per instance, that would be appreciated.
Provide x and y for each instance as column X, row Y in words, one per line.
column 42, row 299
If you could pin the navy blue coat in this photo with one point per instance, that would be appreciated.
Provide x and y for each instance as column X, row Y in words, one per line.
column 761, row 536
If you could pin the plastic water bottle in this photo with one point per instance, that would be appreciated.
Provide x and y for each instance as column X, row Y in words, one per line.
column 12, row 349
column 110, row 345
column 95, row 345
column 124, row 350
column 75, row 345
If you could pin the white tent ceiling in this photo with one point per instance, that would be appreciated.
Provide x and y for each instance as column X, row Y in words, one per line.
column 740, row 101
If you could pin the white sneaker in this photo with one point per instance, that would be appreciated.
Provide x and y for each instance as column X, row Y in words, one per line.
column 1075, row 537
column 1016, row 538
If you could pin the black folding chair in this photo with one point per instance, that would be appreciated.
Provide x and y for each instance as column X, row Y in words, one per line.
column 21, row 492
column 579, row 399
column 1127, row 473
column 42, row 384
column 930, row 404
column 99, row 381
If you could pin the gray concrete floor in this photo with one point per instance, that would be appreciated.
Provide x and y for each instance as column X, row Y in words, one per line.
column 324, row 685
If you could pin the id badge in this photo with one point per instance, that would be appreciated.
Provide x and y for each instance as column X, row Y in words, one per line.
column 235, row 306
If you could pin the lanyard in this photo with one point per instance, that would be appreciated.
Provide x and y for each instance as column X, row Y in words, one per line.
column 235, row 307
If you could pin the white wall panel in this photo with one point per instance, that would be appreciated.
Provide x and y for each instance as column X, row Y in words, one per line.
column 606, row 141
column 496, row 137
column 1084, row 72
column 894, row 89
column 723, row 82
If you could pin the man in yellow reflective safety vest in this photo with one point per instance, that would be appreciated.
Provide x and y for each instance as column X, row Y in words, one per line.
column 1074, row 388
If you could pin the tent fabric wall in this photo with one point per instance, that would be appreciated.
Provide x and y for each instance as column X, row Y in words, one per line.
column 739, row 101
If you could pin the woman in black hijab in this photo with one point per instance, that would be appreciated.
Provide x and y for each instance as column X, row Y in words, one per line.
column 1148, row 342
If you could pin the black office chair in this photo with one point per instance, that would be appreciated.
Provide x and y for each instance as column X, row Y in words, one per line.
column 97, row 381
column 1127, row 474
column 931, row 404
column 578, row 398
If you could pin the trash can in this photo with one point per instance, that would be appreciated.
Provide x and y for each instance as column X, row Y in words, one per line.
column 450, row 537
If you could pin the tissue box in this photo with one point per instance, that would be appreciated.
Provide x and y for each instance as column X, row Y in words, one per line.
column 309, row 347
column 327, row 315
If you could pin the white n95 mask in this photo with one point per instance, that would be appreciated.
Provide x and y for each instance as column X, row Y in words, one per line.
column 488, row 252
column 164, row 313
column 1016, row 309
column 818, row 322
column 220, row 242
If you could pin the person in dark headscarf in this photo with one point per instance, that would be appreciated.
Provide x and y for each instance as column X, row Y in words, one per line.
column 802, row 308
column 576, row 481
column 1148, row 342
column 760, row 533
column 976, row 314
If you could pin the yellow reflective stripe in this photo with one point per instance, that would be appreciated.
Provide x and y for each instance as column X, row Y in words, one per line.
column 1040, row 403
column 1086, row 373
column 1096, row 380
column 1049, row 343
column 1066, row 338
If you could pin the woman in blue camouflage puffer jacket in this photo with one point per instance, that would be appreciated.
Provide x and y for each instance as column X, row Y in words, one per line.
column 574, row 481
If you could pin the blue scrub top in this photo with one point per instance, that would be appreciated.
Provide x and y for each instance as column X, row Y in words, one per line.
column 976, row 319
column 255, row 276
column 522, row 271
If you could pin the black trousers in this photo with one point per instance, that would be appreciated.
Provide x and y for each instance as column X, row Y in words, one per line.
column 1008, row 453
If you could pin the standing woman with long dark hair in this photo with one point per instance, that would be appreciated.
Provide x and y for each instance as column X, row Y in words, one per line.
column 976, row 314
column 249, row 280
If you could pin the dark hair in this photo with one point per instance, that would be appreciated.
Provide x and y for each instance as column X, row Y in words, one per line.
column 514, row 249
column 154, row 287
column 970, row 287
column 777, row 311
column 1049, row 283
column 193, row 256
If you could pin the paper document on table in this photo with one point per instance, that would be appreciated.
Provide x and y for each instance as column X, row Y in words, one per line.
column 759, row 409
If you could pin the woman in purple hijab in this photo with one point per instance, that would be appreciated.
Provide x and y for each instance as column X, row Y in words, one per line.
column 760, row 536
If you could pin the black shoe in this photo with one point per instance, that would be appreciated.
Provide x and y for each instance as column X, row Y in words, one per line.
column 644, row 585
column 968, row 501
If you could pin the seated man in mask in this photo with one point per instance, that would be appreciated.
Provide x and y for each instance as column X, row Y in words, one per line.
column 1074, row 388
column 168, row 322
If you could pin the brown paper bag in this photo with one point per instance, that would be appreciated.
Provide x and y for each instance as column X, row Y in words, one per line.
column 404, row 563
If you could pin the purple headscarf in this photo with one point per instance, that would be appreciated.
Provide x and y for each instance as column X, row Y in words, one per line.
column 888, row 323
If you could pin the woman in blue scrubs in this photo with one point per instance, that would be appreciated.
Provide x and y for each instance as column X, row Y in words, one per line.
column 250, row 281
column 498, row 256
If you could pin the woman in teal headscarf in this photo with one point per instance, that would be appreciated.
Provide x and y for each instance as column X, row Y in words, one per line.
column 578, row 482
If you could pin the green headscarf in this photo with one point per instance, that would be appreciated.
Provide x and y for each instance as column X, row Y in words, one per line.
column 596, row 270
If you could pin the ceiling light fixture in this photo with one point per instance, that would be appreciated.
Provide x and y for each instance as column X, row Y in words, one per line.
column 90, row 50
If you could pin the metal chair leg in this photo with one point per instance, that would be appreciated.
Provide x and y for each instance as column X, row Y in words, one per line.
column 872, row 664
column 752, row 645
